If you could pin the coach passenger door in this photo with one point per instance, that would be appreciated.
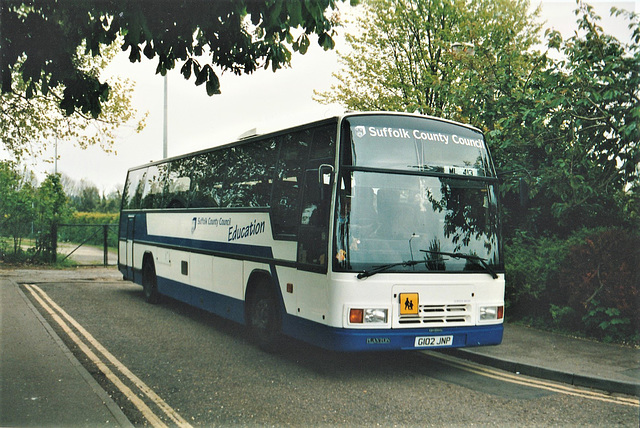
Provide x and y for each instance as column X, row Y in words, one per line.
column 314, row 224
column 316, row 202
column 313, row 230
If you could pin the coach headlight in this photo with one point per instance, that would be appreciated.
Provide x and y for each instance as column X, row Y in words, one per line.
column 368, row 316
column 373, row 316
column 491, row 313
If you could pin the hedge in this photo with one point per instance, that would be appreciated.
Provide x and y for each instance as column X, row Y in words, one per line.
column 588, row 283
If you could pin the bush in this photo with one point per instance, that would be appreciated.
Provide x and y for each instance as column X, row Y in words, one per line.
column 530, row 270
column 588, row 283
column 600, row 280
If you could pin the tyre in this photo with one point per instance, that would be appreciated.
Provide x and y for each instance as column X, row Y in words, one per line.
column 150, row 283
column 263, row 318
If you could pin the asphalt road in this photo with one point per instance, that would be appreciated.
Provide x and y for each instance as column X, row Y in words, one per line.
column 206, row 371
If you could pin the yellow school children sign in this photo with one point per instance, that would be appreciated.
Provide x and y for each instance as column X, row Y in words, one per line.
column 409, row 304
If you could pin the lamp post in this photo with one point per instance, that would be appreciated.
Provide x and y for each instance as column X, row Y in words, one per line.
column 164, row 134
column 463, row 48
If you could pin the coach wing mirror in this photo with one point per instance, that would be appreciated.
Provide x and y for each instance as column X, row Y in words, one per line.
column 325, row 177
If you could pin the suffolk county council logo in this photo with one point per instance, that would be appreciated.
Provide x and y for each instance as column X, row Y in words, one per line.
column 194, row 223
column 360, row 131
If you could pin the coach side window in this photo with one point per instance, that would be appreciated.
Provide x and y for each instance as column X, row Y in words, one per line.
column 207, row 174
column 132, row 194
column 285, row 199
column 154, row 186
column 176, row 190
column 251, row 175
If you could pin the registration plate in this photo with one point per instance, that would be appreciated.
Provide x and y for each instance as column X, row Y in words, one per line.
column 429, row 341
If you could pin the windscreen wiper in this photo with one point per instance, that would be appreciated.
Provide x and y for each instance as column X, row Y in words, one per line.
column 479, row 260
column 368, row 273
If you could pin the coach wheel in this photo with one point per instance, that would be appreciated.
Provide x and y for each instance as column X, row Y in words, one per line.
column 263, row 318
column 150, row 283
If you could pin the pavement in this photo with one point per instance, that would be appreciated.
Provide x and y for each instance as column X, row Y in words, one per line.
column 571, row 360
column 42, row 383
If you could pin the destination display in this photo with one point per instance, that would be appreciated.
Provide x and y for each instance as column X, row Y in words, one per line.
column 418, row 134
column 417, row 144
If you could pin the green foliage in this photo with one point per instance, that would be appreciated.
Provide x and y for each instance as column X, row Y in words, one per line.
column 94, row 218
column 531, row 265
column 586, row 135
column 27, row 118
column 406, row 56
column 600, row 281
column 587, row 283
column 85, row 197
column 40, row 214
column 608, row 325
column 17, row 211
column 84, row 233
column 51, row 210
column 562, row 317
column 239, row 36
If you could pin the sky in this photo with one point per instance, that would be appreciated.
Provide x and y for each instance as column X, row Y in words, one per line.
column 264, row 100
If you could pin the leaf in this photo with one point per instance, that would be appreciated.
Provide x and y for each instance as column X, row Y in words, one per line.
column 612, row 312
column 149, row 52
column 186, row 68
column 274, row 13
column 294, row 7
column 134, row 54
column 67, row 106
column 203, row 75
column 604, row 324
column 213, row 84
column 196, row 67
column 326, row 41
column 302, row 44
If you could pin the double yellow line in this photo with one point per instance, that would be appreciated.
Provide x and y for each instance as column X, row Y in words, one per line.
column 89, row 344
column 530, row 382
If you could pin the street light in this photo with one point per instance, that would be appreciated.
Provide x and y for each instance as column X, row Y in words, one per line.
column 164, row 134
column 463, row 48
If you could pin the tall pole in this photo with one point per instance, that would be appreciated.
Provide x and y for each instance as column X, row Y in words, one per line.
column 164, row 136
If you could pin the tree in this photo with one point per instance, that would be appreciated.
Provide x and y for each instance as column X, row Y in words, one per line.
column 437, row 57
column 83, row 195
column 110, row 202
column 40, row 39
column 52, row 209
column 16, row 204
column 30, row 122
column 587, row 126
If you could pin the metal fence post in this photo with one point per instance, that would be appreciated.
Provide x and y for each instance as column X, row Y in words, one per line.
column 105, row 231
